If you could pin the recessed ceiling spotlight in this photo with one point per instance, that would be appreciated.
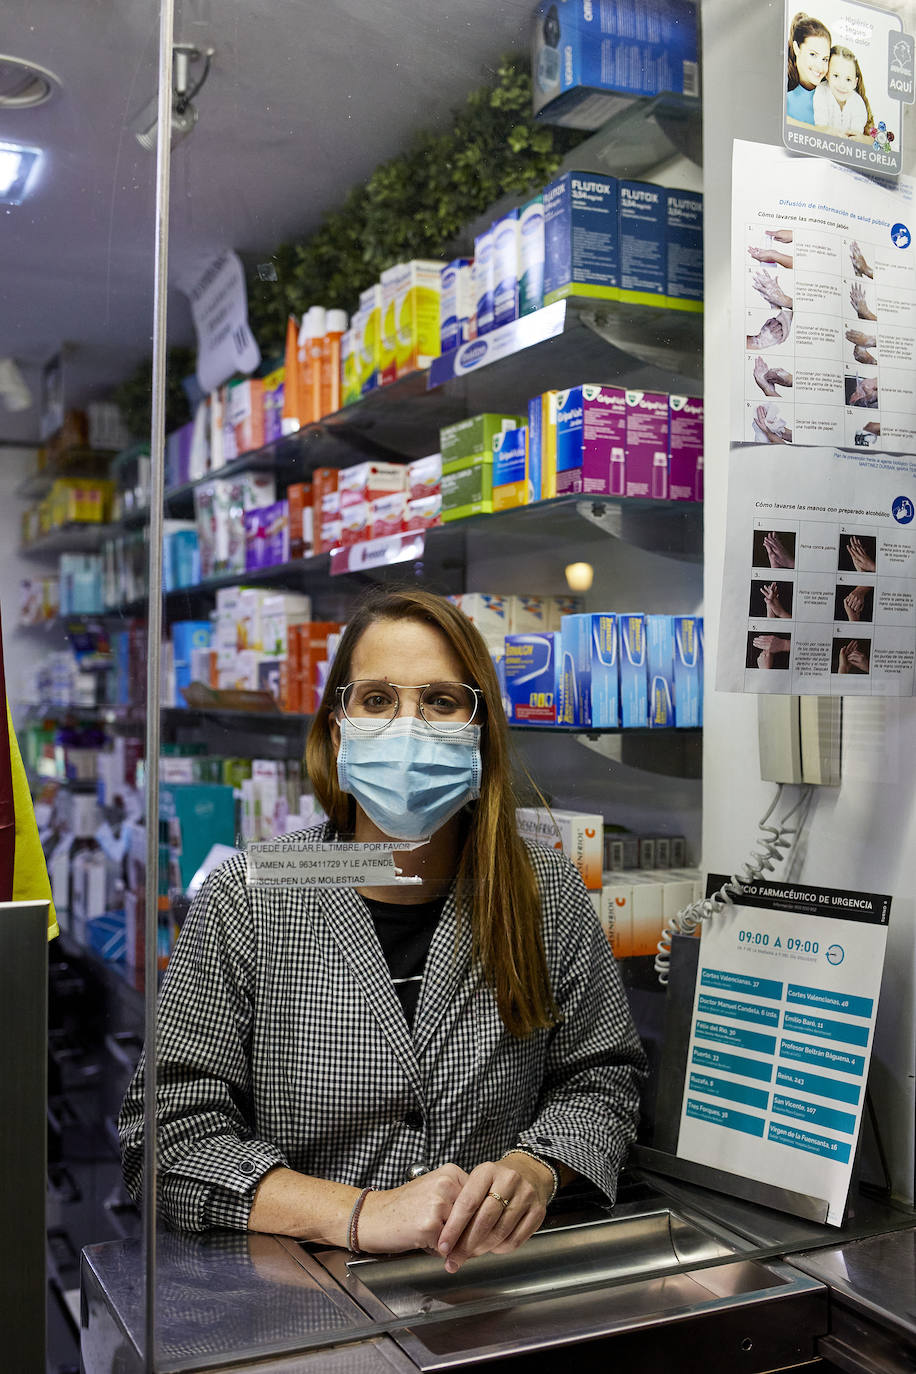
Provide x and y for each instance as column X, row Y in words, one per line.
column 24, row 84
column 17, row 165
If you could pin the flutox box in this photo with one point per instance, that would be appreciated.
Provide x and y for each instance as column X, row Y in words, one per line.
column 646, row 444
column 660, row 665
column 505, row 269
column 642, row 216
column 685, row 448
column 581, row 237
column 684, row 245
column 532, row 677
column 531, row 256
column 591, row 422
column 688, row 670
column 634, row 685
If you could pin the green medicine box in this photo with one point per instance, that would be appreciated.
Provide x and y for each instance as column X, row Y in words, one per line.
column 468, row 490
column 474, row 436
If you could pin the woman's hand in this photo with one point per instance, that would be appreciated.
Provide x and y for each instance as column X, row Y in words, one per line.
column 772, row 644
column 480, row 1224
column 861, row 561
column 770, row 593
column 410, row 1217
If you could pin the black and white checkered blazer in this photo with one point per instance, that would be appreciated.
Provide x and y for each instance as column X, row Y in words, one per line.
column 281, row 1041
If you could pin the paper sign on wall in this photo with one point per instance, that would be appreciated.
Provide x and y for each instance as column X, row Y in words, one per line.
column 781, row 1036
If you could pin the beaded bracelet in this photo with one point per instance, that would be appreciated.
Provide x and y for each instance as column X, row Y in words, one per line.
column 539, row 1159
column 352, row 1228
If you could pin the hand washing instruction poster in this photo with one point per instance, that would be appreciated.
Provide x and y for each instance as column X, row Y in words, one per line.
column 783, row 1022
column 819, row 587
column 823, row 305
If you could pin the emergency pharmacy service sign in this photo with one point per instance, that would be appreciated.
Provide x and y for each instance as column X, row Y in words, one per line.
column 849, row 71
column 781, row 1037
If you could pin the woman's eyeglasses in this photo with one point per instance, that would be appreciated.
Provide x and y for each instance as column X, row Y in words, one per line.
column 371, row 705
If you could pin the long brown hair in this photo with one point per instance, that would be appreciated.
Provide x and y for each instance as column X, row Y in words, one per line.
column 802, row 27
column 849, row 56
column 495, row 881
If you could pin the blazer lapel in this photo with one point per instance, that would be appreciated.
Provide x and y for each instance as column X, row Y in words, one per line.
column 350, row 927
column 446, row 968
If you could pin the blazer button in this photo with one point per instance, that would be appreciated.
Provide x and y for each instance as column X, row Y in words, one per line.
column 413, row 1121
column 246, row 1166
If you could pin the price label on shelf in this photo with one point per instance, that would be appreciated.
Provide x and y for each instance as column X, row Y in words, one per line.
column 378, row 553
column 499, row 343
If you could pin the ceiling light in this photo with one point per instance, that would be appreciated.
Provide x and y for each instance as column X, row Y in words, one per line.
column 16, row 167
column 579, row 576
column 24, row 84
column 184, row 88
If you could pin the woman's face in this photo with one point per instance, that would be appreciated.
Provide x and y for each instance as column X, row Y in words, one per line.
column 841, row 77
column 812, row 58
column 410, row 652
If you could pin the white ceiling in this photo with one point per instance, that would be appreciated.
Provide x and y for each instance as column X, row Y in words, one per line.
column 303, row 100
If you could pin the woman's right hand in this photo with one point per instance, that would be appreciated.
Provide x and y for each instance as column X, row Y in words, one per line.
column 410, row 1217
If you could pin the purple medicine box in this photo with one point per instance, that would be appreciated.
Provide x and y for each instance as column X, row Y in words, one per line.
column 685, row 451
column 590, row 440
column 647, row 444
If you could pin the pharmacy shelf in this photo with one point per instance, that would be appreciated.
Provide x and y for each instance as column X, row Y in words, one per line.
column 78, row 537
column 88, row 463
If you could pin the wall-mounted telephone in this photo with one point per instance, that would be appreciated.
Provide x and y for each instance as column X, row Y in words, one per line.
column 799, row 739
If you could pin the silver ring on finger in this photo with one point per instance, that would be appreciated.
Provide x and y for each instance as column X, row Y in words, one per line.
column 503, row 1201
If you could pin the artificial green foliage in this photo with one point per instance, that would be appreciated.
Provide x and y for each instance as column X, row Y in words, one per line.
column 414, row 206
column 134, row 396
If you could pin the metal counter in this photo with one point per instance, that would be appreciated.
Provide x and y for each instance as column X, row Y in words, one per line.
column 646, row 1284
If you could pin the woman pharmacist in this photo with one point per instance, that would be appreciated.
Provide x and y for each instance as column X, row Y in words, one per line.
column 401, row 1067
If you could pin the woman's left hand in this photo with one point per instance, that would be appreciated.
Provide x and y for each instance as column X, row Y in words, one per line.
column 480, row 1224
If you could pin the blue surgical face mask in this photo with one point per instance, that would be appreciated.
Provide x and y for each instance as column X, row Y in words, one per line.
column 409, row 778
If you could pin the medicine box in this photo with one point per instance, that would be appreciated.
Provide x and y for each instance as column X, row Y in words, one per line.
column 474, row 436
column 542, row 445
column 603, row 672
column 278, row 611
column 684, row 245
column 482, row 283
column 467, row 489
column 558, row 606
column 491, row 614
column 423, row 512
column 631, row 655
column 455, row 304
column 581, row 237
column 533, row 677
column 366, row 481
column 510, row 462
column 646, row 444
column 386, row 514
column 505, row 269
column 528, row 615
column 410, row 317
column 591, row 426
column 642, row 218
column 577, row 833
column 198, row 815
column 660, row 664
column 531, row 256
column 187, row 635
column 685, row 448
column 424, row 476
column 688, row 670
column 590, row 60
column 367, row 340
column 575, row 672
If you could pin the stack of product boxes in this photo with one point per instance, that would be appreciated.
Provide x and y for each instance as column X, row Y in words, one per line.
column 394, row 331
column 480, row 456
column 561, row 666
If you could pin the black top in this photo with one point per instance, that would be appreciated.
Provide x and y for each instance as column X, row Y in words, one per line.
column 405, row 933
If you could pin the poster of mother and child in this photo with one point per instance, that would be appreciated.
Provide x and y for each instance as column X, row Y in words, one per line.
column 849, row 72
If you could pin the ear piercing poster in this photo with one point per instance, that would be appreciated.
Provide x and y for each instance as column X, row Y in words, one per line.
column 819, row 586
column 824, row 314
column 848, row 74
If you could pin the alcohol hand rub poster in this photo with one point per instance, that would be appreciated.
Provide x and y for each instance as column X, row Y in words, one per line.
column 783, row 1022
column 849, row 71
column 819, row 591
column 824, row 313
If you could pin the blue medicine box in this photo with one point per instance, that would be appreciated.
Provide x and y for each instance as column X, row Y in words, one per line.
column 509, row 456
column 532, row 677
column 187, row 635
column 603, row 672
column 580, row 237
column 688, row 670
column 591, row 58
column 684, row 238
column 642, row 219
column 634, row 682
column 575, row 671
column 505, row 269
column 660, row 664
column 198, row 815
